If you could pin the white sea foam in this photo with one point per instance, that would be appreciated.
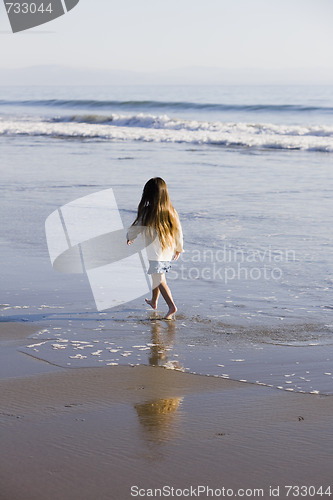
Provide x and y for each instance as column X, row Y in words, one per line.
column 150, row 128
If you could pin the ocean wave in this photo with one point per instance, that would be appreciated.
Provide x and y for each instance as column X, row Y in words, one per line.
column 170, row 105
column 159, row 129
column 142, row 120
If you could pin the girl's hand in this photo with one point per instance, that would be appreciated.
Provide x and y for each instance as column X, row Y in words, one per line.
column 129, row 242
column 176, row 256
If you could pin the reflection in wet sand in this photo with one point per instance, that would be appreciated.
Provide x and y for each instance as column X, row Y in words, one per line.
column 162, row 340
column 158, row 418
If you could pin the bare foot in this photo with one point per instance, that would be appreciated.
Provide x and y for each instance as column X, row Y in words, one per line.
column 171, row 312
column 151, row 303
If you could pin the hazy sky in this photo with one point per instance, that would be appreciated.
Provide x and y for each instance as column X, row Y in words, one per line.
column 150, row 35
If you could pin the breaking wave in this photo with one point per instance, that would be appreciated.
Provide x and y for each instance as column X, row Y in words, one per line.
column 162, row 128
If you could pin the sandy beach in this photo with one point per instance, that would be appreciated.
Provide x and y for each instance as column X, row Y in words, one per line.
column 231, row 108
column 119, row 432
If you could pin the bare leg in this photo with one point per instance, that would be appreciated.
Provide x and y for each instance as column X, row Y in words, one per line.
column 156, row 280
column 154, row 299
column 166, row 294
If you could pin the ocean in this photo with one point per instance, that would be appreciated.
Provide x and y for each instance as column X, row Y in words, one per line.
column 250, row 172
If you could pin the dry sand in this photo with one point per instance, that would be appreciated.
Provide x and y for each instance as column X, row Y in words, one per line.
column 92, row 433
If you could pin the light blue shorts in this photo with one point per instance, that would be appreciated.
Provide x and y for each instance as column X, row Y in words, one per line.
column 159, row 266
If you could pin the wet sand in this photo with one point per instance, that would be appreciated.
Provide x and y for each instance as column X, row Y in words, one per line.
column 93, row 433
column 13, row 335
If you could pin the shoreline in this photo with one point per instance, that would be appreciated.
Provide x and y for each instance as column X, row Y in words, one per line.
column 96, row 432
column 178, row 345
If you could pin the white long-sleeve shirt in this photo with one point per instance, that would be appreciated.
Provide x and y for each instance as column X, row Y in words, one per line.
column 154, row 249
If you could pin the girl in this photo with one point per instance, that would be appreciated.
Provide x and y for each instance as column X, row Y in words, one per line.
column 157, row 215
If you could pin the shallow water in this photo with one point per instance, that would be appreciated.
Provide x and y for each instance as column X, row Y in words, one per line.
column 253, row 289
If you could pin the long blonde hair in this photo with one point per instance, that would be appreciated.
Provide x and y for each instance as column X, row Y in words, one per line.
column 156, row 211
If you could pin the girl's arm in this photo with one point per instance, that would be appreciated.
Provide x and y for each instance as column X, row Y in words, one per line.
column 178, row 240
column 176, row 256
column 132, row 233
